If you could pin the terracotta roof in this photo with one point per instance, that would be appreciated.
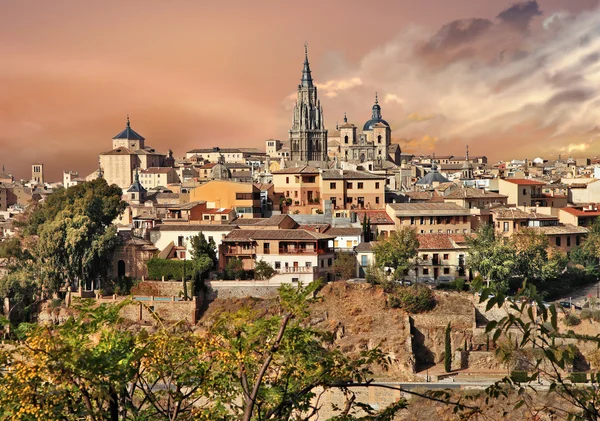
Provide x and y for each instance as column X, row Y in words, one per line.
column 561, row 229
column 349, row 175
column 426, row 207
column 218, row 211
column 581, row 212
column 365, row 247
column 378, row 217
column 274, row 220
column 193, row 227
column 118, row 151
column 298, row 170
column 523, row 182
column 263, row 186
column 439, row 241
column 246, row 221
column 473, row 193
column 207, row 166
column 344, row 231
column 314, row 227
column 509, row 213
column 280, row 234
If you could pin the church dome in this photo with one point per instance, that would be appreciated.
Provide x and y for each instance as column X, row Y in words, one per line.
column 375, row 117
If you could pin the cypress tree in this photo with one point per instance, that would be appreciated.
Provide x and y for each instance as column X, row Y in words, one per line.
column 448, row 351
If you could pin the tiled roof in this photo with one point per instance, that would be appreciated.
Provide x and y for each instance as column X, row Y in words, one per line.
column 216, row 150
column 349, row 175
column 344, row 231
column 193, row 227
column 298, row 170
column 439, row 241
column 118, row 151
column 246, row 221
column 218, row 211
column 274, row 220
column 378, row 217
column 581, row 212
column 425, row 206
column 314, row 227
column 365, row 247
column 473, row 193
column 129, row 134
column 524, row 182
column 280, row 234
column 263, row 186
column 561, row 229
column 510, row 213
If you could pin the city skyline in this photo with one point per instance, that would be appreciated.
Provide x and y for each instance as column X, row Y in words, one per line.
column 507, row 81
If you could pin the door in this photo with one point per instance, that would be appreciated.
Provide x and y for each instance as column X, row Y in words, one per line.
column 121, row 269
column 436, row 273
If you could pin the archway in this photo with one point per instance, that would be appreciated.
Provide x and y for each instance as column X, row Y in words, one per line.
column 121, row 269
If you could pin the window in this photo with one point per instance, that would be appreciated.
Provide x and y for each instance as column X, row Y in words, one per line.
column 287, row 180
column 345, row 139
column 267, row 248
column 294, row 279
column 557, row 241
column 425, row 271
column 379, row 139
column 348, row 200
column 431, row 220
column 210, row 238
column 412, row 220
column 322, row 263
column 377, row 200
column 506, row 225
column 364, row 261
column 207, row 217
column 329, row 261
column 348, row 185
column 348, row 243
column 277, row 265
column 446, row 256
column 332, row 186
column 223, row 217
column 425, row 257
column 377, row 185
column 524, row 191
column 296, row 194
column 577, row 240
column 360, row 185
column 446, row 271
column 180, row 241
column 422, row 221
column 308, row 264
column 569, row 241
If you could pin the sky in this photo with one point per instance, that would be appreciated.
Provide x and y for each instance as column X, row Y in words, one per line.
column 510, row 79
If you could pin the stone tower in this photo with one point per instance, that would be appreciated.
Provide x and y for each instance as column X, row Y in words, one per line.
column 467, row 167
column 37, row 173
column 308, row 137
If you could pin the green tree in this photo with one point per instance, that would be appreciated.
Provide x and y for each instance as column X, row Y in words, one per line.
column 448, row 349
column 234, row 269
column 202, row 247
column 344, row 265
column 263, row 270
column 492, row 257
column 397, row 251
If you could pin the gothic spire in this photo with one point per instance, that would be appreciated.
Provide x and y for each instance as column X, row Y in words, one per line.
column 306, row 80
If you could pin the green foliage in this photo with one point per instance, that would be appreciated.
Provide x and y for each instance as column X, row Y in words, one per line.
column 344, row 265
column 414, row 299
column 245, row 366
column 169, row 268
column 578, row 377
column 263, row 270
column 519, row 376
column 234, row 269
column 202, row 248
column 374, row 275
column 572, row 320
column 23, row 292
column 397, row 251
column 586, row 314
column 448, row 349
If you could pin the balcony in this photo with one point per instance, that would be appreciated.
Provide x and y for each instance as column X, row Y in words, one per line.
column 240, row 251
column 298, row 269
column 283, row 250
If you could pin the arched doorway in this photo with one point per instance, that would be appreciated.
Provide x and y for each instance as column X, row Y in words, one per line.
column 121, row 269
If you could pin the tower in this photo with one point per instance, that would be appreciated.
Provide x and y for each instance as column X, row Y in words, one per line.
column 308, row 137
column 467, row 168
column 129, row 139
column 37, row 173
column 378, row 131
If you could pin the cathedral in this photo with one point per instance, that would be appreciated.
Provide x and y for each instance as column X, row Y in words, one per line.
column 308, row 136
column 373, row 144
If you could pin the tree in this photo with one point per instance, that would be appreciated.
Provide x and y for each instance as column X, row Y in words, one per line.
column 397, row 251
column 492, row 257
column 366, row 227
column 344, row 265
column 201, row 247
column 448, row 350
column 263, row 270
column 234, row 269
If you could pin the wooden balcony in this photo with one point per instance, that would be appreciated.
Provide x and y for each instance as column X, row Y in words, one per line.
column 240, row 251
column 284, row 250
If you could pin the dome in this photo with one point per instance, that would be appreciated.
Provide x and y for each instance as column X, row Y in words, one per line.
column 375, row 117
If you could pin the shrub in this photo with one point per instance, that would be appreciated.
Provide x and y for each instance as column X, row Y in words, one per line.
column 519, row 376
column 170, row 269
column 578, row 377
column 448, row 349
column 459, row 283
column 413, row 299
column 596, row 315
column 288, row 201
column 585, row 314
column 572, row 320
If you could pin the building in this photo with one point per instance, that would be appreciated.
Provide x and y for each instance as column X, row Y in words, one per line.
column 472, row 198
column 244, row 198
column 431, row 218
column 441, row 258
column 302, row 184
column 37, row 173
column 581, row 193
column 130, row 152
column 158, row 177
column 347, row 189
column 179, row 235
column 522, row 192
column 372, row 144
column 213, row 155
column 580, row 216
column 300, row 255
column 71, row 178
column 308, row 136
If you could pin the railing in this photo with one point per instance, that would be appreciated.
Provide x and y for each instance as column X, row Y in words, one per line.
column 298, row 269
column 239, row 250
column 302, row 251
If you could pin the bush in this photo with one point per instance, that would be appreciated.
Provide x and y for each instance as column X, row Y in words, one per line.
column 596, row 315
column 519, row 376
column 170, row 269
column 585, row 314
column 578, row 377
column 413, row 299
column 572, row 320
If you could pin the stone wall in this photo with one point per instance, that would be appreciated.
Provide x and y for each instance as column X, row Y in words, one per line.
column 162, row 288
column 141, row 310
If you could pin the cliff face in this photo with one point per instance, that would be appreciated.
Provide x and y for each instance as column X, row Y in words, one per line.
column 358, row 318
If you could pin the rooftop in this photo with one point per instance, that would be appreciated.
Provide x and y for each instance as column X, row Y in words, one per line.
column 278, row 234
column 439, row 241
column 524, row 182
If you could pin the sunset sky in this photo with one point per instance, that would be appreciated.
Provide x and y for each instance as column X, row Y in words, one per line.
column 512, row 80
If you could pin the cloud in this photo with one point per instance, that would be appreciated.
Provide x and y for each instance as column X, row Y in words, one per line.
column 535, row 92
column 333, row 87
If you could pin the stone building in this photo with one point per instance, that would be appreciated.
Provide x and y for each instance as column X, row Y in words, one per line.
column 308, row 136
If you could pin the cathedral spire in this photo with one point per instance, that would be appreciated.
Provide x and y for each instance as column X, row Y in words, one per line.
column 306, row 76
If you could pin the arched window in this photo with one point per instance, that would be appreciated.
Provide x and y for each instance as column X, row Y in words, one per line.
column 379, row 139
column 121, row 269
column 346, row 139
